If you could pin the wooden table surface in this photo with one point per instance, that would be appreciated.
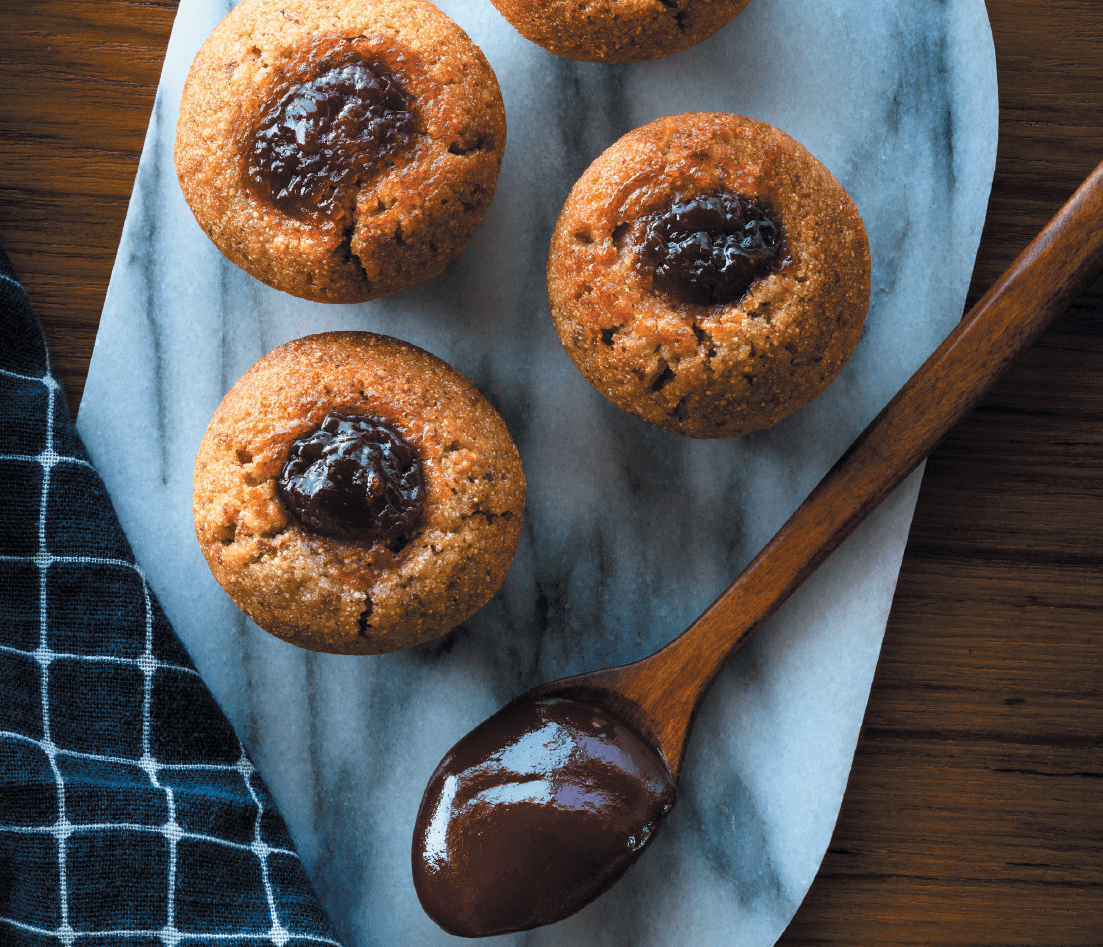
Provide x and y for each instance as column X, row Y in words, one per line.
column 974, row 813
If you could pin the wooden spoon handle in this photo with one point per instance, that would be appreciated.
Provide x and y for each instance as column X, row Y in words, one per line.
column 1057, row 266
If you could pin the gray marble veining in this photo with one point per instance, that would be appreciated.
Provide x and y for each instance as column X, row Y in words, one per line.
column 629, row 531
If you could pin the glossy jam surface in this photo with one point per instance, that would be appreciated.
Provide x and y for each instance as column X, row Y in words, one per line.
column 533, row 814
column 710, row 248
column 354, row 478
column 324, row 130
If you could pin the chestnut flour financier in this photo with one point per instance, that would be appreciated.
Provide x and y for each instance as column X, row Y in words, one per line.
column 340, row 152
column 709, row 275
column 355, row 494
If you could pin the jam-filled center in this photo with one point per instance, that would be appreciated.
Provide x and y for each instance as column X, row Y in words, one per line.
column 711, row 247
column 354, row 478
column 323, row 131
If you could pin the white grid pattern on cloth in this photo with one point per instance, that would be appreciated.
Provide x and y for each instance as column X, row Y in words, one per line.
column 147, row 663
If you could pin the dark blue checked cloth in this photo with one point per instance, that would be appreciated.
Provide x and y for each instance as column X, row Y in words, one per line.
column 129, row 811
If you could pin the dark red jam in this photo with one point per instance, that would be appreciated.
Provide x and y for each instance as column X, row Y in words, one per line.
column 325, row 129
column 533, row 814
column 354, row 478
column 711, row 247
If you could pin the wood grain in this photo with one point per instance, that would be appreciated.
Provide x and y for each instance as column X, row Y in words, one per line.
column 78, row 77
column 974, row 814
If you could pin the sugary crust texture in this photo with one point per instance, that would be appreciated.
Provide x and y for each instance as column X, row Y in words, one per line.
column 618, row 30
column 720, row 370
column 327, row 594
column 413, row 216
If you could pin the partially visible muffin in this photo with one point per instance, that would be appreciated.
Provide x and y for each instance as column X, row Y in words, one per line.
column 618, row 30
column 708, row 275
column 340, row 151
column 312, row 516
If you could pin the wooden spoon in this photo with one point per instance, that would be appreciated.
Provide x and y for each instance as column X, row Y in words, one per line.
column 659, row 695
column 514, row 831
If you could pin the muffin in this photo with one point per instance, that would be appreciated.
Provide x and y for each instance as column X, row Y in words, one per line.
column 708, row 275
column 618, row 30
column 340, row 151
column 355, row 494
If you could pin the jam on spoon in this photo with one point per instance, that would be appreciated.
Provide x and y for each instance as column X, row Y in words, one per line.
column 355, row 478
column 533, row 814
column 711, row 247
column 658, row 696
column 327, row 127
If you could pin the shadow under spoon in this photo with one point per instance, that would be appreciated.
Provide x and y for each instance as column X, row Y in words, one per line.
column 546, row 804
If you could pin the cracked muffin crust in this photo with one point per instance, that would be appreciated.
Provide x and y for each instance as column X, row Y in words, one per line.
column 337, row 595
column 708, row 369
column 403, row 127
column 618, row 30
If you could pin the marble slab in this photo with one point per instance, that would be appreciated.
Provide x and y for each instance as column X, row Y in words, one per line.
column 630, row 532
